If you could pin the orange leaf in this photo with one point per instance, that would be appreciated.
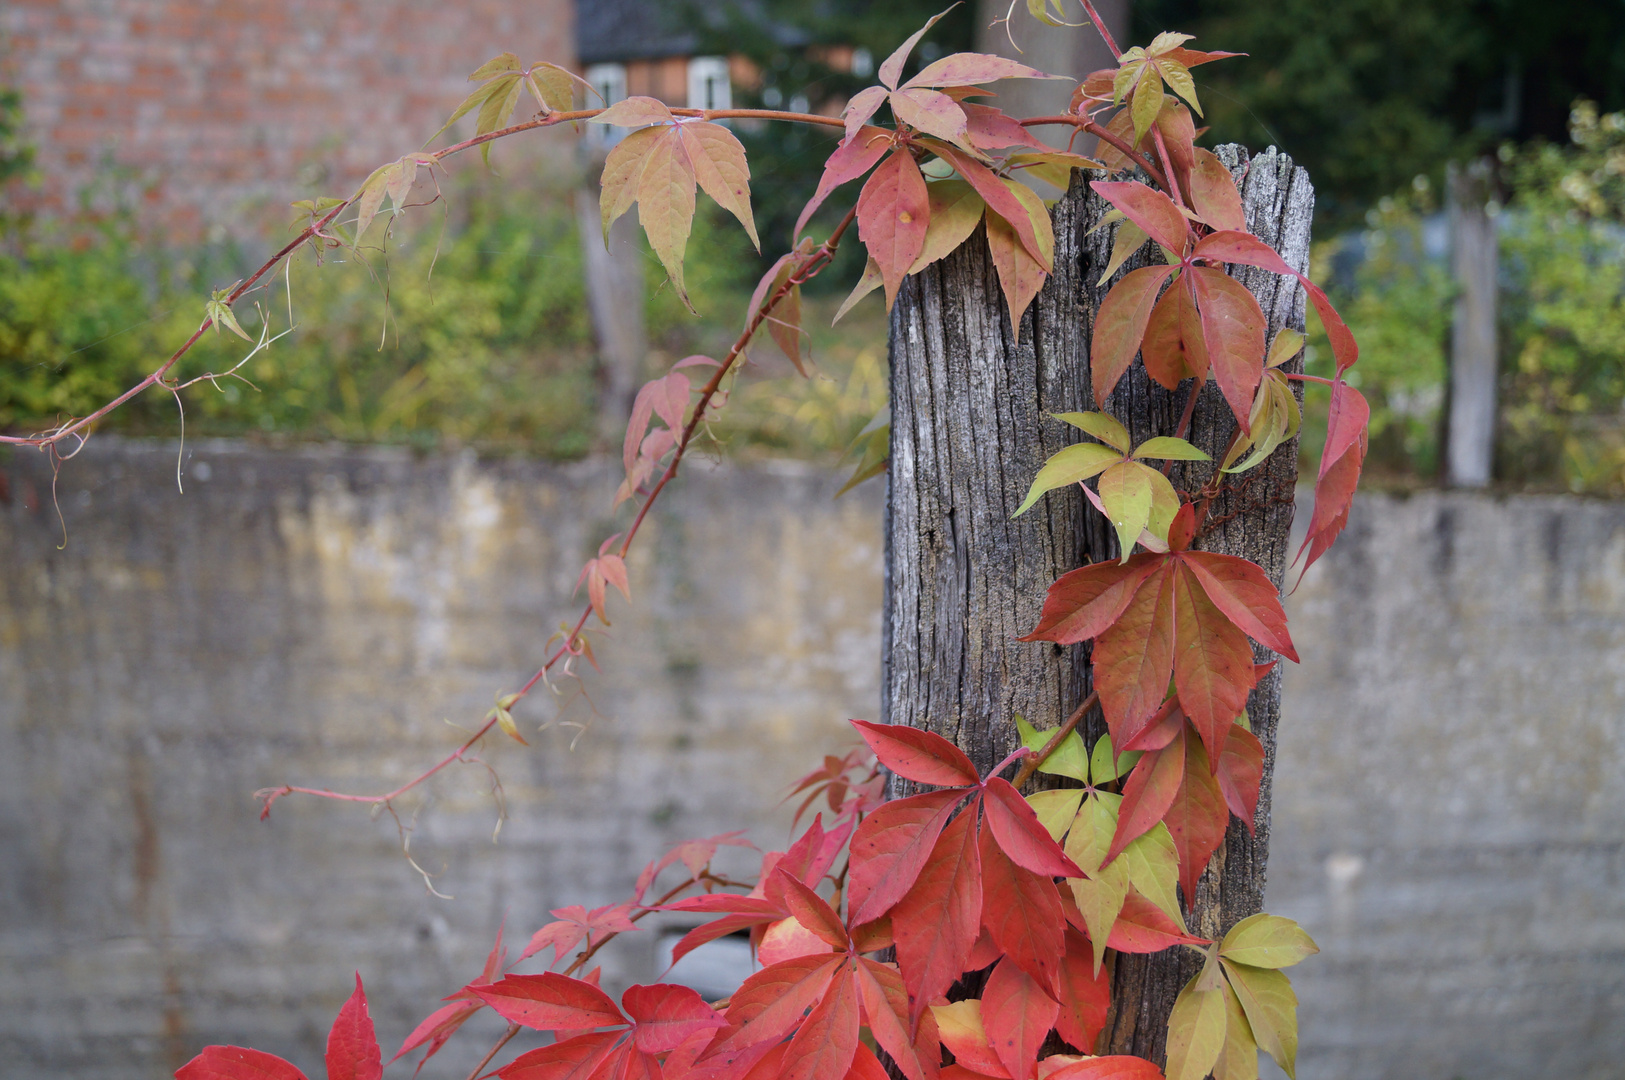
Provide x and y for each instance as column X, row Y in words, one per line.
column 1120, row 324
column 718, row 162
column 1017, row 1014
column 1233, row 330
column 936, row 922
column 893, row 213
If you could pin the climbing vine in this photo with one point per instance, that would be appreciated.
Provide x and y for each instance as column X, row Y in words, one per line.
column 966, row 931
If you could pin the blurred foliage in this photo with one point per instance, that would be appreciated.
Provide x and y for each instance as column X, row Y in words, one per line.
column 1563, row 255
column 1562, row 317
column 1369, row 93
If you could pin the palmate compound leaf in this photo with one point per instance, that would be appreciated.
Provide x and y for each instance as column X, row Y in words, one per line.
column 1022, row 912
column 1196, row 1031
column 657, row 168
column 1170, row 624
column 550, row 1002
column 890, row 848
column 1120, row 326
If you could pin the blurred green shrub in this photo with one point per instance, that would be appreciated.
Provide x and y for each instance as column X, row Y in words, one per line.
column 1562, row 312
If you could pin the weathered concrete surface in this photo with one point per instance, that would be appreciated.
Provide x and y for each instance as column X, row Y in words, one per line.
column 1450, row 791
column 312, row 618
column 1449, row 814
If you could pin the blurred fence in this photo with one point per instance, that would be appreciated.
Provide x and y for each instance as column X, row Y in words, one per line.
column 1449, row 821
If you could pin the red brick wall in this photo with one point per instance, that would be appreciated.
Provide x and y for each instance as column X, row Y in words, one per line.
column 223, row 108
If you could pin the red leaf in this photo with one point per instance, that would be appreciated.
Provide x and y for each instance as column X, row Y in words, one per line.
column 865, row 1066
column 811, row 910
column 1116, row 1067
column 960, row 69
column 886, row 1009
column 855, row 156
column 1020, row 276
column 1134, row 657
column 666, row 1016
column 990, row 129
column 771, row 1002
column 352, row 1045
column 1142, row 927
column 1017, row 1014
column 1241, row 773
column 1240, row 247
column 1334, row 494
column 439, row 1026
column 1120, row 326
column 1148, row 208
column 237, row 1063
column 828, row 1039
column 922, row 756
column 721, row 928
column 568, row 1059
column 1173, row 348
column 1233, row 332
column 1148, row 794
column 1022, row 911
column 858, row 111
column 1016, row 828
column 1083, row 603
column 931, row 113
column 1213, row 664
column 1213, row 193
column 936, row 923
column 1245, row 594
column 1197, row 818
column 729, row 902
column 893, row 212
column 575, row 923
column 1347, row 420
column 550, row 1002
column 1085, row 994
column 809, row 858
column 890, row 848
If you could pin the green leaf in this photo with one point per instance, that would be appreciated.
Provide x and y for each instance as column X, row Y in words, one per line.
column 868, row 283
column 494, row 67
column 1100, row 895
column 1128, row 239
column 1267, row 941
column 1272, row 1010
column 1056, row 809
column 1070, row 465
column 1286, row 344
column 1102, row 762
column 1100, row 425
column 1196, row 1032
column 218, row 310
column 1165, row 447
column 1068, row 759
column 1239, row 1060
column 1164, row 505
column 1152, row 863
column 872, row 447
column 1125, row 492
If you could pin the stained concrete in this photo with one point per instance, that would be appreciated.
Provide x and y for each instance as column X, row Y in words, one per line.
column 1448, row 820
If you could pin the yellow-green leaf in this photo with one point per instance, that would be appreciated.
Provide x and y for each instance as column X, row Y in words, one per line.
column 1179, row 79
column 1152, row 863
column 1128, row 239
column 1070, row 465
column 956, row 210
column 1164, row 505
column 1239, row 1059
column 1267, row 941
column 868, row 283
column 872, row 447
column 1105, row 765
column 1147, row 101
column 1125, row 491
column 218, row 310
column 1068, row 759
column 666, row 206
column 1056, row 809
column 495, row 66
column 1165, row 447
column 1272, row 1010
column 371, row 197
column 553, row 86
column 1196, row 1029
column 1100, row 425
column 1286, row 344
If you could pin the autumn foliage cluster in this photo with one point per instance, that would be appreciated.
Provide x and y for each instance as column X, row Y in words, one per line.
column 966, row 931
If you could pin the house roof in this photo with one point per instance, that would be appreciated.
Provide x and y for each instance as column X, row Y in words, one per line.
column 615, row 31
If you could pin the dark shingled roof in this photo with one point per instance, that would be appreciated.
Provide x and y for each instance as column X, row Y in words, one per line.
column 615, row 31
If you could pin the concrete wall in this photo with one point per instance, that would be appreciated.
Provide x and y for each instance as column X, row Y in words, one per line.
column 1448, row 819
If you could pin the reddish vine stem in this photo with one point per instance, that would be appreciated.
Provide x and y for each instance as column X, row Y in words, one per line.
column 816, row 262
column 1030, row 766
column 1105, row 34
column 513, row 1029
column 1086, row 124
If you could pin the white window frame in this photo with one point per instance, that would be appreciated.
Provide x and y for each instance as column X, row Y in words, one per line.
column 708, row 83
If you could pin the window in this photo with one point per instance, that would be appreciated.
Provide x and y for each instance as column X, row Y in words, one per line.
column 708, row 86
